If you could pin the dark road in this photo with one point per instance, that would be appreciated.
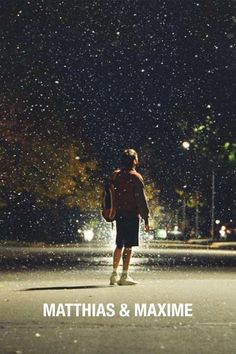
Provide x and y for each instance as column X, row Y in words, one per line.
column 210, row 291
column 95, row 255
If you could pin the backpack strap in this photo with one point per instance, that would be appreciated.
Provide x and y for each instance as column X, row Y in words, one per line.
column 114, row 176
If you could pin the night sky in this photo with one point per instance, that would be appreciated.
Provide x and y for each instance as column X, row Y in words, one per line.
column 118, row 74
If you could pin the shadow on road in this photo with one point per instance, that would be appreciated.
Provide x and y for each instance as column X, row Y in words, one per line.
column 67, row 287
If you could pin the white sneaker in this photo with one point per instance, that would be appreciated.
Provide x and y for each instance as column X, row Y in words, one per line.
column 126, row 280
column 114, row 278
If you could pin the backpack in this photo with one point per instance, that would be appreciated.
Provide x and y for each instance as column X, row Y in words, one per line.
column 109, row 201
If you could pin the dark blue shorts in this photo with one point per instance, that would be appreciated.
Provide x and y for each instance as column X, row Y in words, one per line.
column 127, row 227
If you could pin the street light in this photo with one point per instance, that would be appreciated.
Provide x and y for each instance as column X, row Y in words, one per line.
column 184, row 208
column 186, row 146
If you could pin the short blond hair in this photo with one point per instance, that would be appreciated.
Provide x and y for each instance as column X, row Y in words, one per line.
column 128, row 157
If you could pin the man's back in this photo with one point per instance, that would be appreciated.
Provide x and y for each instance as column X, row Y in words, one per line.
column 129, row 189
column 129, row 201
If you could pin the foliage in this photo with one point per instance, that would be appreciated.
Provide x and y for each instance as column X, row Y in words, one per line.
column 49, row 170
column 193, row 199
column 152, row 193
column 208, row 142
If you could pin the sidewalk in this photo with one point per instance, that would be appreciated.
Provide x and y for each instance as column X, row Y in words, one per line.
column 205, row 243
column 230, row 245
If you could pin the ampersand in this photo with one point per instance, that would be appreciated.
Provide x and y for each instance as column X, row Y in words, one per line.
column 124, row 312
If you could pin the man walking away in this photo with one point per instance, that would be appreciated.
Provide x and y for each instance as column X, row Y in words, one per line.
column 131, row 204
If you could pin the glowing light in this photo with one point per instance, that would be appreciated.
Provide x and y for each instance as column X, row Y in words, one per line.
column 186, row 145
column 161, row 233
column 88, row 235
column 223, row 232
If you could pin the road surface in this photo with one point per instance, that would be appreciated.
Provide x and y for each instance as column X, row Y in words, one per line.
column 82, row 255
column 210, row 290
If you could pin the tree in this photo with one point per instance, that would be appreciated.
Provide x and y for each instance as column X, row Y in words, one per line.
column 45, row 177
column 48, row 169
column 212, row 152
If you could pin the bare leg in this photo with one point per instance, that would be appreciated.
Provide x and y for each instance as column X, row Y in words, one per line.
column 126, row 258
column 116, row 257
column 116, row 260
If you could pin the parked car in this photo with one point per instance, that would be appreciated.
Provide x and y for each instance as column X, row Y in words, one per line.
column 175, row 235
